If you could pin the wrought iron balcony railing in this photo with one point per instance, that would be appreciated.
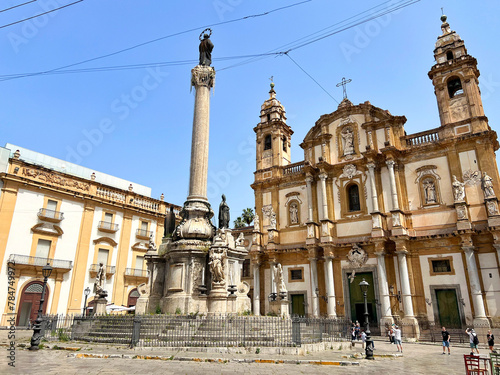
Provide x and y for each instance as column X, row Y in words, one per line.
column 26, row 260
column 137, row 272
column 142, row 233
column 106, row 226
column 50, row 215
column 110, row 270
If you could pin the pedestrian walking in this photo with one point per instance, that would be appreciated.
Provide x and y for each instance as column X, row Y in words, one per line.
column 363, row 338
column 491, row 341
column 473, row 339
column 358, row 330
column 397, row 339
column 446, row 340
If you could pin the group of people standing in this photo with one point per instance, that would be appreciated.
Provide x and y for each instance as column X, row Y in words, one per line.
column 473, row 340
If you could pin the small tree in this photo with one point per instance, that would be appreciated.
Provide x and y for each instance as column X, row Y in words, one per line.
column 239, row 223
column 248, row 216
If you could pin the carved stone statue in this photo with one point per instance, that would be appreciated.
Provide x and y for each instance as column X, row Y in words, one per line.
column 100, row 279
column 206, row 47
column 240, row 240
column 348, row 141
column 223, row 213
column 294, row 214
column 458, row 189
column 151, row 245
column 217, row 265
column 430, row 191
column 272, row 220
column 487, row 185
column 279, row 279
column 256, row 222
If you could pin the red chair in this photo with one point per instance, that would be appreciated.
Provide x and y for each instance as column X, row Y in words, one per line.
column 475, row 365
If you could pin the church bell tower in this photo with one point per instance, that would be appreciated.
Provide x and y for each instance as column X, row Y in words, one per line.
column 455, row 79
column 273, row 134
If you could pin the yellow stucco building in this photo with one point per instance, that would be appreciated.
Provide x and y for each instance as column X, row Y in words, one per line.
column 73, row 218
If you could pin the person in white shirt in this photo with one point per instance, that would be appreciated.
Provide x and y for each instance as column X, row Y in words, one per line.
column 397, row 338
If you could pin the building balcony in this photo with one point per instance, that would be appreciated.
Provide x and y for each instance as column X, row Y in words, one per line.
column 50, row 215
column 36, row 263
column 106, row 226
column 143, row 234
column 110, row 270
column 136, row 272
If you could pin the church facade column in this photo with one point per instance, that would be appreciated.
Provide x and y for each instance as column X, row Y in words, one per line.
column 309, row 180
column 385, row 301
column 324, row 213
column 475, row 285
column 313, row 262
column 330, row 284
column 404, row 279
column 371, row 172
column 256, row 288
column 392, row 177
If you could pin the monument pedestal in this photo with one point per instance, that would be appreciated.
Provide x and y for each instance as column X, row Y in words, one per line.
column 217, row 300
column 100, row 306
column 280, row 308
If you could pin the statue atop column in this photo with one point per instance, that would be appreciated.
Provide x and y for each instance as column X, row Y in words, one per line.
column 100, row 279
column 223, row 214
column 206, row 47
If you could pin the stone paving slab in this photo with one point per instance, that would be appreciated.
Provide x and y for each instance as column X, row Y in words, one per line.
column 118, row 359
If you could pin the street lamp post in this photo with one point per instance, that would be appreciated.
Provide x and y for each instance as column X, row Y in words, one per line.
column 37, row 327
column 86, row 292
column 369, row 343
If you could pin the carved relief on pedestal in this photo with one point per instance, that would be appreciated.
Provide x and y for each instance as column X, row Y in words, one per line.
column 492, row 207
column 461, row 212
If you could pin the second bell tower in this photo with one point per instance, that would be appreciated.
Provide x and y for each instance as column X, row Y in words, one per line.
column 455, row 79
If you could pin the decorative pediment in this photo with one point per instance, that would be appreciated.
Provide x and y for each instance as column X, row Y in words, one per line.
column 47, row 229
column 140, row 246
column 107, row 240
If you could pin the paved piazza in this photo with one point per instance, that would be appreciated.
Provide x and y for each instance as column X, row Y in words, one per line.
column 417, row 359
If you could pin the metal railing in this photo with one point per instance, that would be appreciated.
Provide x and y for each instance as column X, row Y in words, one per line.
column 136, row 272
column 106, row 225
column 143, row 233
column 50, row 214
column 40, row 261
column 196, row 330
column 110, row 270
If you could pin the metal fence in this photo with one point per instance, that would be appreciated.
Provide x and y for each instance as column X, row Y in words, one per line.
column 196, row 330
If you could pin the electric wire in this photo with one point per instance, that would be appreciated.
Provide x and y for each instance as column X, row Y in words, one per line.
column 17, row 6
column 310, row 76
column 165, row 37
column 41, row 14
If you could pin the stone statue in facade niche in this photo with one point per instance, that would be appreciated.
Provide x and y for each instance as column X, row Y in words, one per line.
column 458, row 189
column 100, row 279
column 217, row 265
column 223, row 214
column 294, row 213
column 487, row 185
column 430, row 191
column 348, row 141
column 205, row 48
column 279, row 279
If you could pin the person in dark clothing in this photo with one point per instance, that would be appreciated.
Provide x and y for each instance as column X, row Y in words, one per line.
column 446, row 340
column 491, row 340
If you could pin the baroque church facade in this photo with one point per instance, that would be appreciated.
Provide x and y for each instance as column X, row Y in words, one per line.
column 416, row 215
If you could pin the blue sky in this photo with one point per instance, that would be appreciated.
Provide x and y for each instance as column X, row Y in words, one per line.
column 136, row 124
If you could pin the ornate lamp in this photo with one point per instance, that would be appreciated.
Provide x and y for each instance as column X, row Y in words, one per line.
column 369, row 343
column 37, row 327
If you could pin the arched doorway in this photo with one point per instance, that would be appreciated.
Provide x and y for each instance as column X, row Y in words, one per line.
column 29, row 303
column 132, row 297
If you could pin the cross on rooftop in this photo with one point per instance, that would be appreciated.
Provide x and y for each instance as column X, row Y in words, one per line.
column 343, row 83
